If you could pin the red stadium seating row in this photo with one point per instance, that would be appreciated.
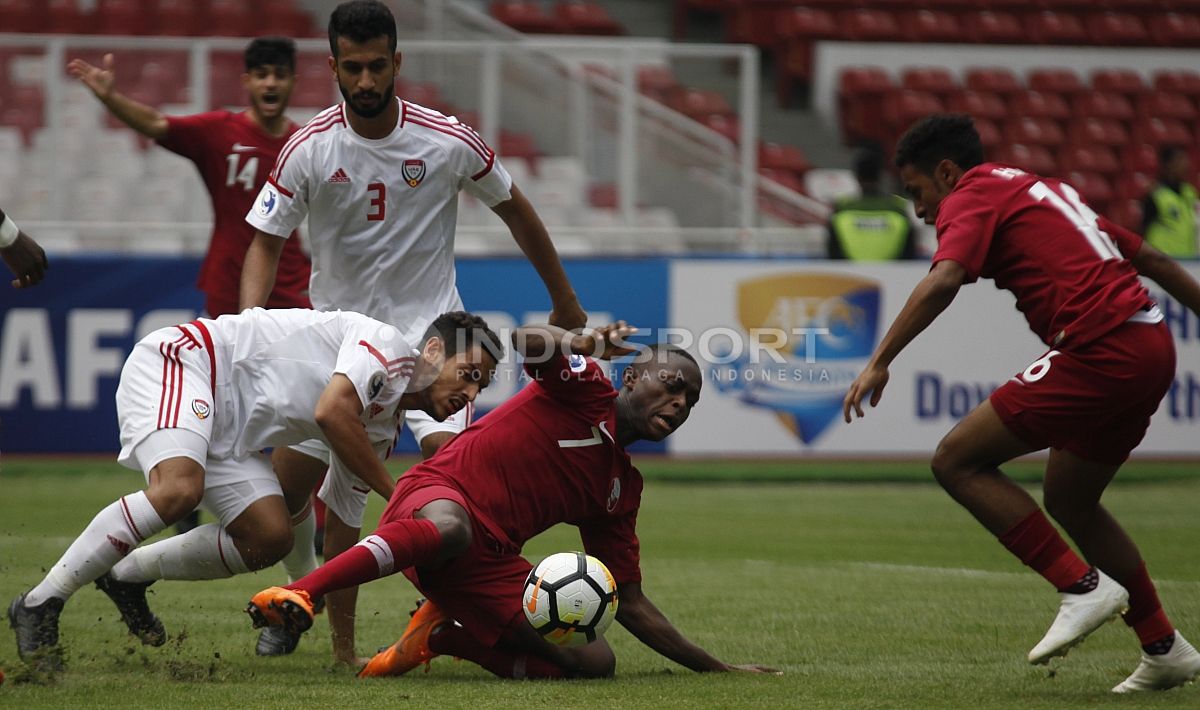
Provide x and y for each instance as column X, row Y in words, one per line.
column 576, row 17
column 221, row 18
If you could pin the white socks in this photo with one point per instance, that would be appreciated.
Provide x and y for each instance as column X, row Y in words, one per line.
column 302, row 560
column 113, row 533
column 205, row 552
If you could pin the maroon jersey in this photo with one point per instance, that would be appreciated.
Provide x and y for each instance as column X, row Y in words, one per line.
column 234, row 156
column 1068, row 268
column 547, row 456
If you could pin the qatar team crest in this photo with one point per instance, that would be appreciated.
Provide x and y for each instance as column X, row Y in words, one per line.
column 414, row 171
column 828, row 324
column 201, row 408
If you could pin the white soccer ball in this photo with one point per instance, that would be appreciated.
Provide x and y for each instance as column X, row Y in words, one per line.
column 570, row 598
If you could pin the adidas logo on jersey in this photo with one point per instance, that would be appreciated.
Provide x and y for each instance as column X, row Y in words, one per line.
column 339, row 176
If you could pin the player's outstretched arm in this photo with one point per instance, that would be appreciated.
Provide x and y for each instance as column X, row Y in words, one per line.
column 144, row 119
column 930, row 297
column 339, row 413
column 540, row 344
column 258, row 270
column 637, row 614
column 1166, row 272
column 23, row 256
column 530, row 234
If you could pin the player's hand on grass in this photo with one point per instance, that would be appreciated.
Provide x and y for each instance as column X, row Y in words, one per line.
column 26, row 259
column 873, row 379
column 607, row 341
column 568, row 316
column 98, row 79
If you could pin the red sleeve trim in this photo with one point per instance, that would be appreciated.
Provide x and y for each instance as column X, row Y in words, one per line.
column 282, row 190
column 491, row 160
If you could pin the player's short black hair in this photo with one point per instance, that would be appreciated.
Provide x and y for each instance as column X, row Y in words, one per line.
column 868, row 163
column 460, row 331
column 938, row 137
column 266, row 51
column 361, row 21
column 1167, row 153
column 658, row 354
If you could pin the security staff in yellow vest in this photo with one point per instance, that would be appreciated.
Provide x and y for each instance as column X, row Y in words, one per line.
column 875, row 226
column 1169, row 210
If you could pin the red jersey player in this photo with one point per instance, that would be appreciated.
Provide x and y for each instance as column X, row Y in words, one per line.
column 1089, row 398
column 234, row 153
column 456, row 523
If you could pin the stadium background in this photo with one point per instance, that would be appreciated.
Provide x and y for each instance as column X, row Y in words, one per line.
column 683, row 155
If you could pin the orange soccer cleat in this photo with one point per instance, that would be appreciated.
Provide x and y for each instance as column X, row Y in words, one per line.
column 413, row 647
column 280, row 606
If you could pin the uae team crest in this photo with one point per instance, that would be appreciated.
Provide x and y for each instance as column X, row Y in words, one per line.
column 823, row 329
column 414, row 171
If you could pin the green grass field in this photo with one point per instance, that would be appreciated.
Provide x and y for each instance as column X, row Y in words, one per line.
column 879, row 593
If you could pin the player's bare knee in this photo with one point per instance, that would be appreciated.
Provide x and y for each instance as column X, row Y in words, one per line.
column 175, row 496
column 456, row 535
column 945, row 466
column 602, row 663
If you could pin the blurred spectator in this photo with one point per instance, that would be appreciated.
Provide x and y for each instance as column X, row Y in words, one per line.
column 874, row 226
column 1169, row 209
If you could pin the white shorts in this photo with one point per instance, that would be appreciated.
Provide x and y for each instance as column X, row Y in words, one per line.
column 165, row 384
column 230, row 485
column 344, row 492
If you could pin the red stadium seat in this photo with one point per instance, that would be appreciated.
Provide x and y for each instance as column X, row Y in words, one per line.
column 523, row 16
column 177, row 17
column 1134, row 186
column 989, row 134
column 119, row 17
column 1126, row 213
column 1178, row 81
column 656, row 80
column 1099, row 104
column 861, row 93
column 1098, row 131
column 1033, row 131
column 935, row 80
column 1162, row 104
column 699, row 103
column 726, row 124
column 582, row 17
column 230, row 18
column 1095, row 158
column 1035, row 104
column 799, row 29
column 21, row 16
column 996, row 80
column 1093, row 188
column 1056, row 81
column 987, row 27
column 904, row 108
column 683, row 8
column 1175, row 29
column 1056, row 28
column 1119, row 29
column 1162, row 131
column 978, row 105
column 756, row 22
column 863, row 25
column 64, row 17
column 932, row 26
column 282, row 17
column 1141, row 158
column 1119, row 81
column 517, row 145
column 785, row 158
column 1031, row 158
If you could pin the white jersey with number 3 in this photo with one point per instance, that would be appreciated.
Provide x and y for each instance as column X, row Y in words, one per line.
column 382, row 213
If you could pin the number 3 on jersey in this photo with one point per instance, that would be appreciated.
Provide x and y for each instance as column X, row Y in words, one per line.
column 378, row 203
column 247, row 176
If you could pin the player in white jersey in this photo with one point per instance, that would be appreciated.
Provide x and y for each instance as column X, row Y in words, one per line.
column 378, row 179
column 197, row 403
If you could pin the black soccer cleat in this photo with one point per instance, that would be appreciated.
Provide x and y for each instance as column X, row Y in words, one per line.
column 37, row 632
column 277, row 641
column 130, row 598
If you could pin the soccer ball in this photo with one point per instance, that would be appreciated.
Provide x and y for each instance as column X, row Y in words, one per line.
column 570, row 598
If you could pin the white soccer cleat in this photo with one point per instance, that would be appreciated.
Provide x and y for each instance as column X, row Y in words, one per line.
column 1176, row 667
column 1080, row 615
